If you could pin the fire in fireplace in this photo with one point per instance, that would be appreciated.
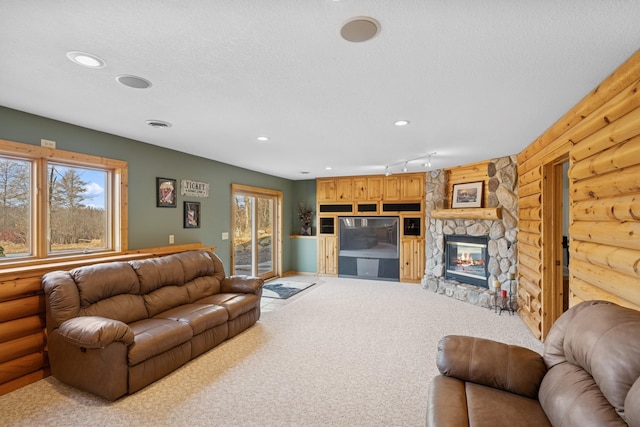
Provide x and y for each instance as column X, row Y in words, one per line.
column 466, row 259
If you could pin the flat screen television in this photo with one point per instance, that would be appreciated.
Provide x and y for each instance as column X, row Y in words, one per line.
column 368, row 236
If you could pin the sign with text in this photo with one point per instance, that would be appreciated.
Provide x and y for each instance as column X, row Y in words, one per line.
column 194, row 188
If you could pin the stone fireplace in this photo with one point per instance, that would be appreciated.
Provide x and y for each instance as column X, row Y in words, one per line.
column 500, row 235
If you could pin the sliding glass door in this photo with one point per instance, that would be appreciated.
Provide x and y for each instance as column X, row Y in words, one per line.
column 256, row 231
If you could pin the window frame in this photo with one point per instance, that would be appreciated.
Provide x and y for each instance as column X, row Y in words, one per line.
column 117, row 196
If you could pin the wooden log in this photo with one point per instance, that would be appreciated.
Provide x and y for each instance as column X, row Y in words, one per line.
column 619, row 208
column 532, row 322
column 619, row 156
column 621, row 130
column 21, row 327
column 530, row 176
column 528, row 250
column 620, row 79
column 626, row 261
column 533, row 264
column 532, row 188
column 613, row 184
column 23, row 307
column 621, row 104
column 24, row 380
column 616, row 283
column 19, row 288
column 553, row 152
column 619, row 234
column 21, row 346
column 534, row 214
column 21, row 366
column 468, row 213
column 530, row 226
column 530, row 281
column 531, row 239
column 585, row 291
column 528, row 202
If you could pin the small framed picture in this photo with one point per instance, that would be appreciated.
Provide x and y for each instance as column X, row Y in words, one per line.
column 467, row 195
column 166, row 193
column 191, row 214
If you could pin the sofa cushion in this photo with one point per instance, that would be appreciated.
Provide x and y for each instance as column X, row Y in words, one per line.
column 125, row 308
column 165, row 298
column 154, row 273
column 100, row 281
column 199, row 316
column 155, row 336
column 235, row 304
column 571, row 397
column 196, row 264
column 201, row 287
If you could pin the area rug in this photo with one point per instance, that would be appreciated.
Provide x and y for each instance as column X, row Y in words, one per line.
column 283, row 289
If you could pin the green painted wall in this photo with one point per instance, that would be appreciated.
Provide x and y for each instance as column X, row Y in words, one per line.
column 304, row 250
column 150, row 226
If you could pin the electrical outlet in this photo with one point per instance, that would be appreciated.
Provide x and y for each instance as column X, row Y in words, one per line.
column 47, row 143
column 225, row 236
column 171, row 239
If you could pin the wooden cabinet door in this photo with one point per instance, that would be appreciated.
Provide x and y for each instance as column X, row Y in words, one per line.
column 391, row 188
column 375, row 186
column 328, row 255
column 412, row 187
column 344, row 190
column 326, row 190
column 360, row 188
column 412, row 260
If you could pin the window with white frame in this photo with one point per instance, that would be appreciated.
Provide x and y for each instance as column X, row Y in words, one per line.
column 57, row 203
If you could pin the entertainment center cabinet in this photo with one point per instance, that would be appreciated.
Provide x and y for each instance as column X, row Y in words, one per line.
column 372, row 226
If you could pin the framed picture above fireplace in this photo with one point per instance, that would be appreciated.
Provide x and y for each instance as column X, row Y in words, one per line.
column 468, row 195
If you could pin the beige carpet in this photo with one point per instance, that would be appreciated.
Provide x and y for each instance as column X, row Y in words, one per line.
column 345, row 352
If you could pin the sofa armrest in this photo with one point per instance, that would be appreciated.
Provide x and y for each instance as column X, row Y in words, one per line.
column 95, row 331
column 242, row 284
column 491, row 363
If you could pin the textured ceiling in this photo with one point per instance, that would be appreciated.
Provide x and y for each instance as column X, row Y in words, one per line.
column 476, row 79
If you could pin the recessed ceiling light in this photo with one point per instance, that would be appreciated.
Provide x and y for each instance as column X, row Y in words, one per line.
column 133, row 81
column 158, row 124
column 262, row 138
column 86, row 59
column 360, row 29
column 401, row 123
column 328, row 168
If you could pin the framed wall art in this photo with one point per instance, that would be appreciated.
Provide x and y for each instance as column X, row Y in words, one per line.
column 166, row 193
column 467, row 195
column 191, row 214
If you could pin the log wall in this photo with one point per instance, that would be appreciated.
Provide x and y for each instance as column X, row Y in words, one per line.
column 601, row 136
column 23, row 353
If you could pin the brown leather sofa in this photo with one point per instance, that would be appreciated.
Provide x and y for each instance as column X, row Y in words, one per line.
column 588, row 376
column 116, row 327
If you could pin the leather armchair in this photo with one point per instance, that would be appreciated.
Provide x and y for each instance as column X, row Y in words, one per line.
column 588, row 376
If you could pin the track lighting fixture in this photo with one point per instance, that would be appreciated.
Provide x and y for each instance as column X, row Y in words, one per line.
column 405, row 163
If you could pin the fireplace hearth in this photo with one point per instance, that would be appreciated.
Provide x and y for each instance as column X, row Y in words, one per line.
column 466, row 259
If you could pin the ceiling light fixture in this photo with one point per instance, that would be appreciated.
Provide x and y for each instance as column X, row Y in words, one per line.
column 133, row 81
column 360, row 29
column 401, row 123
column 388, row 169
column 262, row 138
column 158, row 124
column 86, row 59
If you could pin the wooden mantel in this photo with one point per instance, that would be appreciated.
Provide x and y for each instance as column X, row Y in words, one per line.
column 467, row 213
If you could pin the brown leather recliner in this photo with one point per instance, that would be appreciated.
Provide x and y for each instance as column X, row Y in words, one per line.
column 588, row 376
